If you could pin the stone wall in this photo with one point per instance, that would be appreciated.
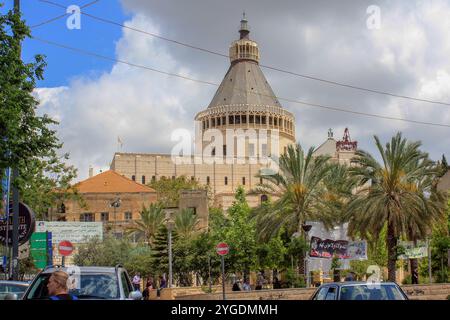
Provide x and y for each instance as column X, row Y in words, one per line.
column 414, row 292
column 96, row 203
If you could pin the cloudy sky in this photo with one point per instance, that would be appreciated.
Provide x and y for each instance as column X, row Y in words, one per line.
column 96, row 101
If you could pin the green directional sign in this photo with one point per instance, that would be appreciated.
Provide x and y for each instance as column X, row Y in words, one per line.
column 36, row 236
column 38, row 245
column 39, row 254
column 40, row 248
column 41, row 264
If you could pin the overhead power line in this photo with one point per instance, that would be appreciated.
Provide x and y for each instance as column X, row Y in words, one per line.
column 61, row 16
column 99, row 56
column 331, row 82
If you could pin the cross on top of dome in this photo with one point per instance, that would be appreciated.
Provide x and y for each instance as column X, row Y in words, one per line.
column 244, row 30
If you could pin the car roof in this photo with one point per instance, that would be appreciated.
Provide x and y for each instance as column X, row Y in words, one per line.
column 16, row 283
column 356, row 283
column 92, row 269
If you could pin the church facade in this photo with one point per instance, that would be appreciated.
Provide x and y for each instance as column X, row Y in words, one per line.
column 240, row 134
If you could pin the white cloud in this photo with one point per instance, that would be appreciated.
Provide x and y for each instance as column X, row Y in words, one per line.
column 138, row 105
column 408, row 55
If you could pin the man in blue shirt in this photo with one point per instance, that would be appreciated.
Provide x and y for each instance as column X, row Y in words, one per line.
column 57, row 286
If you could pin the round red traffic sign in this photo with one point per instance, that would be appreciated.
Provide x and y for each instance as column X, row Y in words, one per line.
column 65, row 248
column 222, row 248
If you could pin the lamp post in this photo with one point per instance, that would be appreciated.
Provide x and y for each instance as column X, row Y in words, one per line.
column 306, row 228
column 115, row 204
column 170, row 223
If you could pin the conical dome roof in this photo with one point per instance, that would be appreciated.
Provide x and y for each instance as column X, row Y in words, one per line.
column 244, row 82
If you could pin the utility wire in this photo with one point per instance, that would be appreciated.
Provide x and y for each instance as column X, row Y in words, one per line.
column 61, row 16
column 89, row 53
column 331, row 82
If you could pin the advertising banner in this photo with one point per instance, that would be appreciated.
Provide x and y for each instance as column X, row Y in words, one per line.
column 413, row 252
column 75, row 232
column 4, row 213
column 342, row 249
column 357, row 250
column 328, row 248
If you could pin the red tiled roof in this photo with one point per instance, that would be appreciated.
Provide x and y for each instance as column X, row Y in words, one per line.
column 111, row 182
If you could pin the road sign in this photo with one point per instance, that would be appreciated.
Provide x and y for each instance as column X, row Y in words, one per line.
column 41, row 249
column 65, row 248
column 222, row 249
column 5, row 194
column 26, row 225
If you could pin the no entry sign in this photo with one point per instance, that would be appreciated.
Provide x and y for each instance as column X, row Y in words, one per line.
column 222, row 248
column 65, row 248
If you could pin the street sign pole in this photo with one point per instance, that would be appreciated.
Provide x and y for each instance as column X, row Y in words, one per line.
column 15, row 190
column 222, row 249
column 223, row 276
column 65, row 248
column 429, row 261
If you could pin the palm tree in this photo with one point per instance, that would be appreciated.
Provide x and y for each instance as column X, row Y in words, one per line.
column 395, row 193
column 151, row 219
column 300, row 188
column 186, row 223
column 339, row 187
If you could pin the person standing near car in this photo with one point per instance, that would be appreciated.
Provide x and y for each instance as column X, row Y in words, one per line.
column 57, row 286
column 148, row 288
column 137, row 282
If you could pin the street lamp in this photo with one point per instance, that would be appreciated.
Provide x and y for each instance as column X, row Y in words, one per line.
column 306, row 228
column 170, row 223
column 115, row 203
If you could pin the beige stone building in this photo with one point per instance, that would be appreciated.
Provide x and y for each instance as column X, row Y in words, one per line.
column 110, row 198
column 117, row 201
column 245, row 106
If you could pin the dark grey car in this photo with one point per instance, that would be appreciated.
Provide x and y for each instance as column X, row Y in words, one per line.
column 12, row 290
column 104, row 283
column 353, row 290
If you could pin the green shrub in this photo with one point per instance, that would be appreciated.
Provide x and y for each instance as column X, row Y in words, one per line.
column 407, row 279
column 293, row 280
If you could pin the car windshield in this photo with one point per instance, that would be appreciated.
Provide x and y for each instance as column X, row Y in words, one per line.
column 6, row 288
column 371, row 292
column 92, row 286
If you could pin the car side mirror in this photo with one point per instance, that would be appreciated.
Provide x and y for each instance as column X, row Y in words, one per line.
column 11, row 296
column 135, row 295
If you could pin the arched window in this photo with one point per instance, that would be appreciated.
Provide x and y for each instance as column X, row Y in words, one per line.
column 207, row 180
column 264, row 198
column 226, row 181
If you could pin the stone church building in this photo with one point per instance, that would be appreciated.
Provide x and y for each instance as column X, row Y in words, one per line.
column 244, row 102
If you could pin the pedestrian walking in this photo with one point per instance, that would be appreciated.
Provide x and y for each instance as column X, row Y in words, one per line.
column 260, row 281
column 276, row 283
column 246, row 286
column 147, row 289
column 236, row 286
column 162, row 283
